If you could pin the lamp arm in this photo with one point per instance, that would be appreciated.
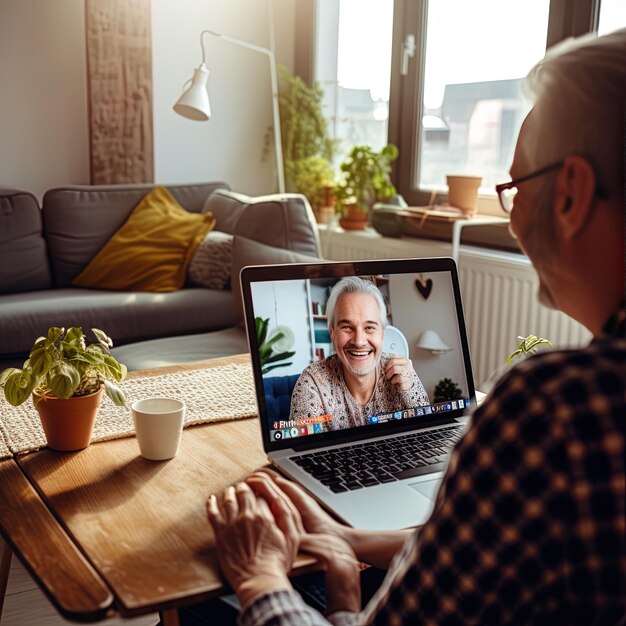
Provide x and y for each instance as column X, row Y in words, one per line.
column 274, row 82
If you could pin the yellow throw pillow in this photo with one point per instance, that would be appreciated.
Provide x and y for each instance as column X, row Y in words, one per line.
column 151, row 250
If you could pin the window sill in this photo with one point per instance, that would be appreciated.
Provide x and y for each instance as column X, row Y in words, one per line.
column 483, row 231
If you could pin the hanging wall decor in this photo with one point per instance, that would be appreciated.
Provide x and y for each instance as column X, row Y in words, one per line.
column 424, row 286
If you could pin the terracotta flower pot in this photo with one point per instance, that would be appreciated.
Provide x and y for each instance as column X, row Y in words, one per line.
column 356, row 219
column 68, row 424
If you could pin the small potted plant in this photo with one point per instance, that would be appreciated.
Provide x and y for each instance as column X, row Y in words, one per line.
column 447, row 389
column 66, row 378
column 308, row 149
column 275, row 348
column 527, row 346
column 366, row 180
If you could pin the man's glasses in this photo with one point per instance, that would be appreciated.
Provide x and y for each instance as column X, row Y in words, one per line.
column 506, row 191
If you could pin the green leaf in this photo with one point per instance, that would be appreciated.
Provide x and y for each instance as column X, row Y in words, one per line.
column 6, row 373
column 116, row 370
column 54, row 332
column 527, row 345
column 114, row 393
column 273, row 339
column 103, row 339
column 513, row 355
column 265, row 370
column 74, row 337
column 18, row 386
column 279, row 357
column 41, row 358
column 63, row 380
column 262, row 334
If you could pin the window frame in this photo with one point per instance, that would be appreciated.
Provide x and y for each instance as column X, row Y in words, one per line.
column 566, row 18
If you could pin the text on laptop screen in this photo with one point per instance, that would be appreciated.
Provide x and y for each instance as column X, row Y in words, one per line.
column 402, row 328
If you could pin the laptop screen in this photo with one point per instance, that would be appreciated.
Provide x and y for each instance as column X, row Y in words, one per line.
column 344, row 350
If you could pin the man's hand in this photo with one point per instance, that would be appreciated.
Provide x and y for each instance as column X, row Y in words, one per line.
column 270, row 485
column 400, row 372
column 256, row 542
column 343, row 582
column 373, row 547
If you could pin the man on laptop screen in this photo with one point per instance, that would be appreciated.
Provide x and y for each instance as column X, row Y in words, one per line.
column 360, row 382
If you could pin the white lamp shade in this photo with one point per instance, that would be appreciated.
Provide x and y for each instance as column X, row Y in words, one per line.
column 431, row 341
column 194, row 102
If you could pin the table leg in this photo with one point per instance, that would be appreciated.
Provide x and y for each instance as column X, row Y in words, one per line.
column 5, row 568
column 170, row 617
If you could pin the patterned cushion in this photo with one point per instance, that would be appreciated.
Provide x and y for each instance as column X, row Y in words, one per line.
column 211, row 264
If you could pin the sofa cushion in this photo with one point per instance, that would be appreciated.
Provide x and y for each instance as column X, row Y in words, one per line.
column 227, row 207
column 281, row 220
column 23, row 253
column 211, row 263
column 124, row 316
column 152, row 249
column 79, row 220
column 249, row 252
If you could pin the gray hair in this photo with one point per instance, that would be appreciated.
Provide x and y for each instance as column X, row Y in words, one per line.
column 353, row 284
column 580, row 93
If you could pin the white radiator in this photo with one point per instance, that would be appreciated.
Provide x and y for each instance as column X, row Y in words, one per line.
column 499, row 292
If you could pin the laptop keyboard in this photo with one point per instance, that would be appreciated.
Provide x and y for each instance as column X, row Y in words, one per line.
column 384, row 461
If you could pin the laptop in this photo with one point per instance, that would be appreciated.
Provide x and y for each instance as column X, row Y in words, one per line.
column 384, row 472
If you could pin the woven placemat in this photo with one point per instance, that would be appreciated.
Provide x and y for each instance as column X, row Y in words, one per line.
column 210, row 395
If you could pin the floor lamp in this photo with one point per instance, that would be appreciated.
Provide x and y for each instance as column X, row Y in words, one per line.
column 194, row 102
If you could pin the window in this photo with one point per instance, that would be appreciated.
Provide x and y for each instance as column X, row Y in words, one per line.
column 612, row 16
column 472, row 106
column 458, row 107
column 354, row 70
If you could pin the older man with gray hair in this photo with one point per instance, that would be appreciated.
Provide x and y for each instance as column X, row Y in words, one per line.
column 528, row 526
column 359, row 380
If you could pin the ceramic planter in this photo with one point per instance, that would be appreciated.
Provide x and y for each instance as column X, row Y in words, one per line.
column 68, row 424
column 356, row 219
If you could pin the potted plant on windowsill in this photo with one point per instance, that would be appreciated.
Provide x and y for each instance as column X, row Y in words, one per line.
column 66, row 378
column 308, row 149
column 366, row 180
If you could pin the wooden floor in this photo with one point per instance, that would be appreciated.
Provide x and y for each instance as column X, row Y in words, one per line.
column 26, row 605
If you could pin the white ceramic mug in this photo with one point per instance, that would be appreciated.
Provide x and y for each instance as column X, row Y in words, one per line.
column 158, row 424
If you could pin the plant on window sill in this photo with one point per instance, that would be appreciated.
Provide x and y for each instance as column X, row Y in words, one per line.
column 307, row 147
column 366, row 180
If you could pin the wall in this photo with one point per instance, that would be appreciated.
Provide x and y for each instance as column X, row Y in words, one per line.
column 285, row 303
column 43, row 97
column 412, row 314
column 228, row 147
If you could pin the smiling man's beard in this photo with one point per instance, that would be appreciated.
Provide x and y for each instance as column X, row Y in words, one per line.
column 361, row 372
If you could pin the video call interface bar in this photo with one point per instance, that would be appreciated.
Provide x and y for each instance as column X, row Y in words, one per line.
column 290, row 429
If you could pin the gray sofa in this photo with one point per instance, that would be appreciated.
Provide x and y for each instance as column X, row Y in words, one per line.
column 43, row 248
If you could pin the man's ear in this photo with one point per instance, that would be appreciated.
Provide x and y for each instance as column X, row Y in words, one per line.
column 574, row 195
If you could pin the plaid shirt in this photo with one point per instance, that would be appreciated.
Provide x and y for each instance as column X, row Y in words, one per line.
column 529, row 523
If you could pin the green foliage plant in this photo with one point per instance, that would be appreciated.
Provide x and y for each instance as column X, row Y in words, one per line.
column 366, row 178
column 527, row 346
column 307, row 147
column 62, row 365
column 269, row 359
column 447, row 389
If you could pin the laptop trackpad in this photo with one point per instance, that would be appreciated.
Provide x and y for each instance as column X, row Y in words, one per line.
column 428, row 488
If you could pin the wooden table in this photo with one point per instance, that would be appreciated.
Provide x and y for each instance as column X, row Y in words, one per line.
column 104, row 531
